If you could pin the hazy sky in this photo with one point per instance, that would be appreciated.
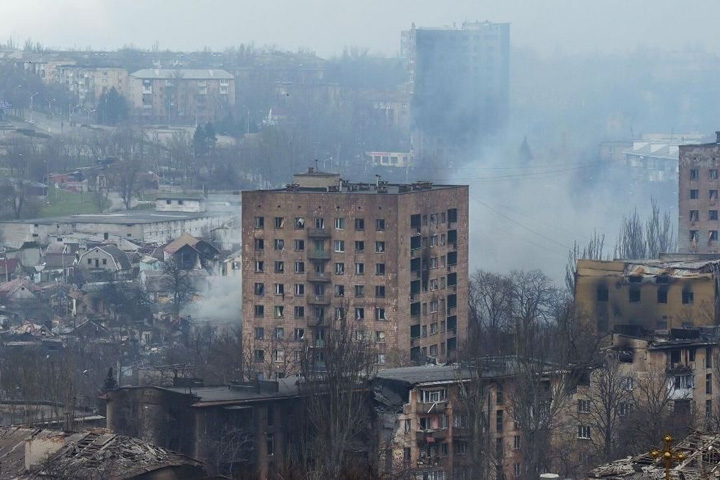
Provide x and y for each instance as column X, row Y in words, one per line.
column 327, row 25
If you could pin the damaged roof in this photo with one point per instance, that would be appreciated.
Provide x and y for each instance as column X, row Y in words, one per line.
column 702, row 460
column 84, row 455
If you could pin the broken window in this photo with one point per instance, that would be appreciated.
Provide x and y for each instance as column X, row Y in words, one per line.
column 359, row 246
column 259, row 266
column 339, row 290
column 299, row 267
column 299, row 334
column 259, row 310
column 259, row 356
column 359, row 224
column 279, row 267
column 712, row 236
column 380, row 313
column 259, row 289
column 299, row 245
column 299, row 289
column 359, row 313
column 379, row 247
column 279, row 222
column 713, row 174
column 259, row 244
column 694, row 194
column 320, row 223
column 339, row 224
column 279, row 289
column 279, row 244
column 339, row 269
column 359, row 290
column 380, row 224
column 712, row 214
column 299, row 223
column 259, row 333
column 694, row 215
column 694, row 174
column 379, row 269
column 279, row 311
column 634, row 295
column 380, row 291
column 687, row 297
column 259, row 222
column 299, row 312
column 713, row 194
column 452, row 215
column 662, row 295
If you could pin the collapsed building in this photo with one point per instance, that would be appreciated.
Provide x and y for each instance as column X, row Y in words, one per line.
column 700, row 460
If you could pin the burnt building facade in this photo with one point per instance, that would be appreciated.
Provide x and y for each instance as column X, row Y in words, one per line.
column 389, row 260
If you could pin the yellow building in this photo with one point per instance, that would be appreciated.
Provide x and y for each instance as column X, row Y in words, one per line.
column 671, row 292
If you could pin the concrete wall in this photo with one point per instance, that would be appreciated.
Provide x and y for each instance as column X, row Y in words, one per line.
column 699, row 178
column 175, row 205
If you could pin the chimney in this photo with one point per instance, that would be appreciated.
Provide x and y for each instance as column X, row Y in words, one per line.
column 717, row 133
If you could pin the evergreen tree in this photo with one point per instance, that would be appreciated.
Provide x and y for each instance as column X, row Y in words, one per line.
column 110, row 383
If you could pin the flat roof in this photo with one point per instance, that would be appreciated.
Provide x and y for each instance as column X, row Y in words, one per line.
column 366, row 189
column 287, row 387
column 118, row 218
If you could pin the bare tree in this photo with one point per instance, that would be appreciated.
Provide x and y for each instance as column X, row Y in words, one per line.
column 178, row 282
column 335, row 370
column 640, row 240
column 594, row 250
column 490, row 308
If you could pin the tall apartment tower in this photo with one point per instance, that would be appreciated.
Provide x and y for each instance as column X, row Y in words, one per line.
column 698, row 206
column 460, row 86
column 391, row 259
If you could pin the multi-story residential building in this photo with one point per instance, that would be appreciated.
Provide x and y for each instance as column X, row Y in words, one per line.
column 185, row 96
column 89, row 83
column 460, row 81
column 698, row 221
column 672, row 292
column 391, row 259
column 426, row 428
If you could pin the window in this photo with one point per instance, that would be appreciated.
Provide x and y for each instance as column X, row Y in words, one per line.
column 359, row 269
column 433, row 350
column 694, row 215
column 89, row 261
column 624, row 409
column 259, row 222
column 279, row 289
column 379, row 269
column 634, row 295
column 259, row 289
column 299, row 223
column 434, row 241
column 381, row 359
column 259, row 244
column 708, row 383
column 339, row 269
column 516, row 442
column 693, row 236
column 712, row 236
column 662, row 295
column 379, row 247
column 379, row 336
column 708, row 357
column 299, row 267
column 712, row 214
column 499, row 421
column 359, row 290
column 299, row 289
column 452, row 215
column 359, row 313
column 359, row 246
column 583, row 406
column 694, row 194
column 713, row 194
column 433, row 306
column 433, row 284
column 499, row 447
column 415, row 243
column 339, row 290
column 299, row 312
column 279, row 311
column 105, row 259
column 583, row 432
column 279, row 333
column 279, row 267
column 320, row 223
column 299, row 334
column 259, row 310
column 359, row 224
column 270, row 444
column 517, row 469
column 499, row 394
column 340, row 246
column 713, row 174
column 380, row 313
column 460, row 447
column 683, row 381
column 433, row 396
column 694, row 174
column 380, row 224
column 339, row 224
column 259, row 333
column 279, row 222
column 380, row 291
column 687, row 297
column 259, row 356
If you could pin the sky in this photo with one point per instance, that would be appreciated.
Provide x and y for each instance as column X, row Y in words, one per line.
column 326, row 26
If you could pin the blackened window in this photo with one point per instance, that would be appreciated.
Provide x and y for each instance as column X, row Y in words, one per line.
column 662, row 295
column 634, row 295
column 602, row 293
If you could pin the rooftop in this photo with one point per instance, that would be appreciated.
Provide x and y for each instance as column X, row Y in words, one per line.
column 492, row 367
column 127, row 217
column 209, row 396
column 182, row 73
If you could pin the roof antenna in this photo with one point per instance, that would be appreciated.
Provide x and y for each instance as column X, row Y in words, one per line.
column 316, row 165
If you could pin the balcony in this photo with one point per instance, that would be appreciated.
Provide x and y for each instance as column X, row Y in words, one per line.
column 318, row 300
column 316, row 321
column 318, row 233
column 433, row 435
column 318, row 277
column 318, row 254
column 432, row 407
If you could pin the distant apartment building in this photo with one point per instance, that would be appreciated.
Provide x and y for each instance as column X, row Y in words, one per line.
column 181, row 96
column 672, row 292
column 89, row 83
column 390, row 159
column 460, row 86
column 698, row 221
column 392, row 260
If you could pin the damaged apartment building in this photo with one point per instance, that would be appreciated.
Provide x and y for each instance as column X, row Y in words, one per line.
column 425, row 420
column 391, row 258
column 675, row 291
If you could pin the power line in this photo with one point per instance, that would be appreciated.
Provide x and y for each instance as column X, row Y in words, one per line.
column 520, row 224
